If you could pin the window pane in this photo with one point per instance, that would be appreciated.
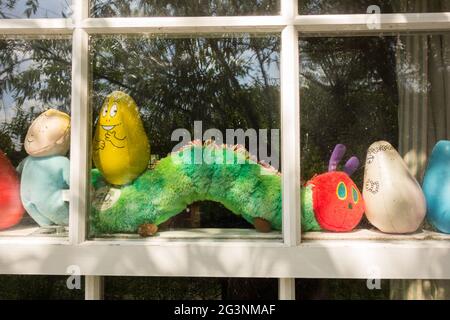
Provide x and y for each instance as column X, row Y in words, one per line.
column 33, row 287
column 158, row 288
column 16, row 9
column 361, row 6
column 341, row 289
column 385, row 99
column 225, row 88
column 182, row 8
column 35, row 77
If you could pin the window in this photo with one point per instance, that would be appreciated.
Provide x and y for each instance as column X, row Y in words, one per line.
column 363, row 90
column 152, row 288
column 222, row 88
column 364, row 6
column 35, row 124
column 176, row 8
column 17, row 9
column 306, row 75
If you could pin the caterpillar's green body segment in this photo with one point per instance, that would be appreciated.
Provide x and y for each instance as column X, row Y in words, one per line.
column 196, row 172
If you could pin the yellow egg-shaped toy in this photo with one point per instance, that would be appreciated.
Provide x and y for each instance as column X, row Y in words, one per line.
column 121, row 150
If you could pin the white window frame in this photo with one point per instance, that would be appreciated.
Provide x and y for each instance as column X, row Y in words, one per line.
column 399, row 259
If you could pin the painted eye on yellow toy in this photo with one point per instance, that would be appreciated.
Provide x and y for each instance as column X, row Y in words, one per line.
column 105, row 111
column 355, row 195
column 113, row 111
column 341, row 191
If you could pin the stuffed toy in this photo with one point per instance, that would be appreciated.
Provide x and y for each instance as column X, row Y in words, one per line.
column 121, row 150
column 45, row 172
column 332, row 198
column 11, row 209
column 244, row 186
column 394, row 199
column 436, row 186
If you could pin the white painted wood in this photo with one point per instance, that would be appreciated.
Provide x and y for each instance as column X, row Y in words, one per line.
column 94, row 288
column 35, row 26
column 27, row 231
column 286, row 289
column 290, row 127
column 289, row 10
column 374, row 234
column 80, row 127
column 312, row 259
column 305, row 23
column 200, row 233
column 186, row 25
column 352, row 23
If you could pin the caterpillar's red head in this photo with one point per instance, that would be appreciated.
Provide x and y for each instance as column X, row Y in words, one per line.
column 337, row 202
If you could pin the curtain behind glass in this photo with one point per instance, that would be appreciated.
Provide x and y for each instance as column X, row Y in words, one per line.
column 423, row 68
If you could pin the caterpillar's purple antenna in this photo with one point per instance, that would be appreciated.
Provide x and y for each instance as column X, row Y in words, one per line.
column 336, row 157
column 351, row 166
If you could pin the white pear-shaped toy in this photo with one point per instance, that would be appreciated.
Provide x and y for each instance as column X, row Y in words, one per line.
column 394, row 199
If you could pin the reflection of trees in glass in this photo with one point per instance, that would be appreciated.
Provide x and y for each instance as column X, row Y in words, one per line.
column 14, row 9
column 7, row 8
column 230, row 82
column 360, row 6
column 342, row 6
column 349, row 90
column 126, row 8
column 224, row 82
column 34, row 74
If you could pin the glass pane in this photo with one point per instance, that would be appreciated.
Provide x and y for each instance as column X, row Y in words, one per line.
column 183, row 8
column 341, row 289
column 223, row 88
column 362, row 6
column 151, row 288
column 35, row 77
column 32, row 287
column 17, row 9
column 384, row 100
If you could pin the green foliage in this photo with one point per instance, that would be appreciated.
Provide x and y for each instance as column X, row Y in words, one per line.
column 34, row 75
column 29, row 287
column 340, row 289
column 153, row 288
column 349, row 91
column 343, row 6
column 30, row 7
column 360, row 6
column 111, row 8
column 224, row 82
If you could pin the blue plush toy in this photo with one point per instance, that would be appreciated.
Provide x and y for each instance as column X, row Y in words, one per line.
column 45, row 172
column 436, row 187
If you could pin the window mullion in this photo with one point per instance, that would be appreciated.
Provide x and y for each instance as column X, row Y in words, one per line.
column 286, row 289
column 290, row 126
column 350, row 24
column 80, row 127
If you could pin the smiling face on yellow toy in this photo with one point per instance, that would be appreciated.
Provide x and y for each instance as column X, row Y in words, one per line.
column 121, row 148
column 111, row 122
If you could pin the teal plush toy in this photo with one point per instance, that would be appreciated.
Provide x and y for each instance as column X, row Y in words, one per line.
column 45, row 172
column 436, row 186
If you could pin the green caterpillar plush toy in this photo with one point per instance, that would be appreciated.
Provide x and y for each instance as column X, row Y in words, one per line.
column 221, row 173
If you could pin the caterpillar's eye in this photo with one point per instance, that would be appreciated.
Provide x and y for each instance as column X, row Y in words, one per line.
column 341, row 191
column 113, row 111
column 105, row 111
column 355, row 195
